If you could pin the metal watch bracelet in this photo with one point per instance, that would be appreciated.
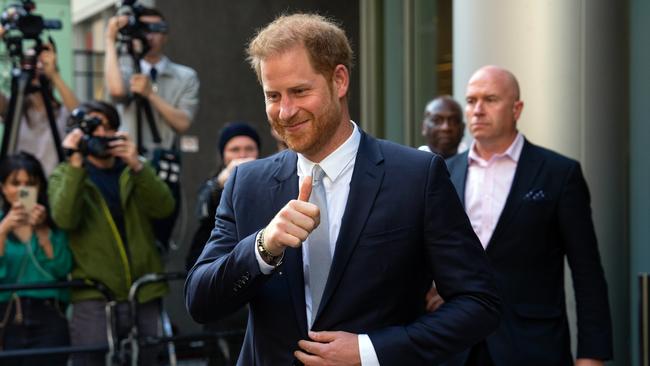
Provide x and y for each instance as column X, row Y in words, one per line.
column 268, row 257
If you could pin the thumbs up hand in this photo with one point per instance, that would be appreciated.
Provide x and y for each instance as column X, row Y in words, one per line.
column 293, row 223
column 305, row 190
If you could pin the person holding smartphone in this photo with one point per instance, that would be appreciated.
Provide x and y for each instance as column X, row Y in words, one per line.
column 32, row 249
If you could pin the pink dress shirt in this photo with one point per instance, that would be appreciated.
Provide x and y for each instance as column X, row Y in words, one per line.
column 488, row 185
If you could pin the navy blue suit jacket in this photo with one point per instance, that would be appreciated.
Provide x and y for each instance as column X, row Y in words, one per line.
column 547, row 217
column 403, row 226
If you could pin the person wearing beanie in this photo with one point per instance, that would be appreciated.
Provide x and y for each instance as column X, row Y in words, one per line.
column 238, row 143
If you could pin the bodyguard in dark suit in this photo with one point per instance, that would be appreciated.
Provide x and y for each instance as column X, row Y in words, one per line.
column 339, row 279
column 530, row 208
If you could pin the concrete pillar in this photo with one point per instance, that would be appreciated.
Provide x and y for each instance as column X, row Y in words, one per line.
column 570, row 59
column 639, row 163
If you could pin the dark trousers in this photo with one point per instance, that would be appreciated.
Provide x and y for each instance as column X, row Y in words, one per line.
column 41, row 324
column 229, row 346
column 88, row 327
column 479, row 355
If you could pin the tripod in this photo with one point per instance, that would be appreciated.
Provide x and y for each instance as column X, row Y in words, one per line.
column 21, row 78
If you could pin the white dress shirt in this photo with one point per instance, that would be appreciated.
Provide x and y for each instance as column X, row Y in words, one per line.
column 145, row 67
column 338, row 168
column 488, row 185
column 460, row 149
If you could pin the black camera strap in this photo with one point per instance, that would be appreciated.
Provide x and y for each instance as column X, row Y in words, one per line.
column 142, row 105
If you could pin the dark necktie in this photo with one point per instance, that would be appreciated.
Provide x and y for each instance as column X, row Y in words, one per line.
column 153, row 74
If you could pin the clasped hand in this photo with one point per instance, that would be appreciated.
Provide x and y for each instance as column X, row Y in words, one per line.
column 329, row 348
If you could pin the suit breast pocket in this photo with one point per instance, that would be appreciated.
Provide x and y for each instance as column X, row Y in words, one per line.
column 391, row 236
column 537, row 213
column 387, row 257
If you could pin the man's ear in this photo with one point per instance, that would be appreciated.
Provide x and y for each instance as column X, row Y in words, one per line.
column 424, row 129
column 517, row 107
column 341, row 80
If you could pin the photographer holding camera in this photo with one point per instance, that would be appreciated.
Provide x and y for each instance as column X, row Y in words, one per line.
column 146, row 80
column 105, row 197
column 34, row 135
column 170, row 88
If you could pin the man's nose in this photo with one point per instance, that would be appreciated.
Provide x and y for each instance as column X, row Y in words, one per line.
column 287, row 109
column 446, row 124
column 478, row 108
column 99, row 131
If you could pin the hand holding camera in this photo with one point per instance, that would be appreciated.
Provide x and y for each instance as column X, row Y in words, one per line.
column 47, row 61
column 123, row 147
column 83, row 139
column 114, row 25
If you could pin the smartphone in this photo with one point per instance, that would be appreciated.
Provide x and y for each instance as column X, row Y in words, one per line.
column 27, row 195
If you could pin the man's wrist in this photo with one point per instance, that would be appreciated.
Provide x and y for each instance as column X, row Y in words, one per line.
column 74, row 156
column 138, row 164
column 268, row 257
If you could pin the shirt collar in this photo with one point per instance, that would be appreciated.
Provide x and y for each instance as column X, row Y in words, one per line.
column 161, row 65
column 513, row 151
column 336, row 162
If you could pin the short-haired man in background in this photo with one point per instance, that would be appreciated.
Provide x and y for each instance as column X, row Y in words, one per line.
column 443, row 126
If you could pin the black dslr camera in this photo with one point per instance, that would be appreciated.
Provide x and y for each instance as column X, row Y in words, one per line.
column 21, row 24
column 135, row 28
column 97, row 146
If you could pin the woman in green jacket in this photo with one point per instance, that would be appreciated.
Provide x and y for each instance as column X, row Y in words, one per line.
column 32, row 250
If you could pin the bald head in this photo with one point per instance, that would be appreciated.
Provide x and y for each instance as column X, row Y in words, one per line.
column 493, row 108
column 504, row 77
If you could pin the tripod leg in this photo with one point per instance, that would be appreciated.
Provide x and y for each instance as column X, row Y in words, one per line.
column 19, row 81
column 50, row 116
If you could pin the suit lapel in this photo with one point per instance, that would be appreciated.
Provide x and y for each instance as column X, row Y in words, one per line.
column 364, row 186
column 286, row 189
column 527, row 171
column 458, row 175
